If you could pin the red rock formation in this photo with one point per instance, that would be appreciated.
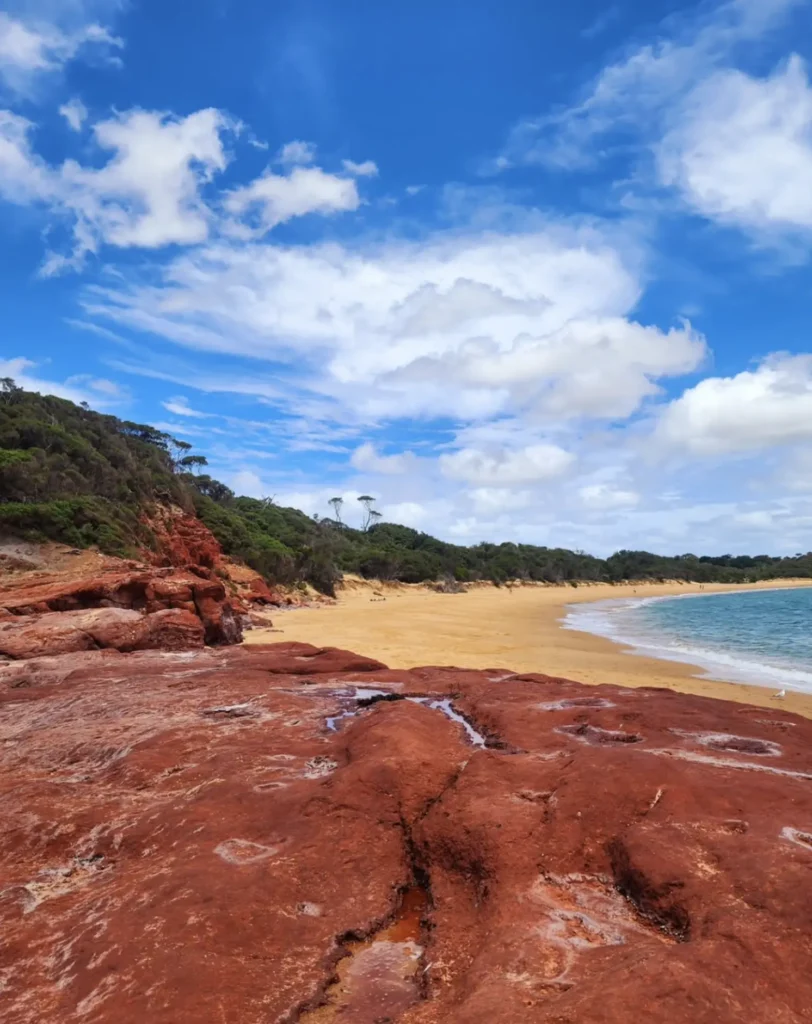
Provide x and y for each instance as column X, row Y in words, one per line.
column 31, row 636
column 143, row 590
column 182, row 539
column 186, row 840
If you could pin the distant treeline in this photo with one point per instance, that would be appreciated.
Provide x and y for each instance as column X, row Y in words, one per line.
column 76, row 476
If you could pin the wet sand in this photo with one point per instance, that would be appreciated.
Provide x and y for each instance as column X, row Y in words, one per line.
column 518, row 630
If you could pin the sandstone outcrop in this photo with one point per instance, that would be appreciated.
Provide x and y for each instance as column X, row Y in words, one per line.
column 31, row 636
column 289, row 835
column 51, row 613
column 182, row 539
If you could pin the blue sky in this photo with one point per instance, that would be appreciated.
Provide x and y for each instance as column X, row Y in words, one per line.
column 523, row 271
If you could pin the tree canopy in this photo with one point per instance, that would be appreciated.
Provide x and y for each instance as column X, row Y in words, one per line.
column 77, row 476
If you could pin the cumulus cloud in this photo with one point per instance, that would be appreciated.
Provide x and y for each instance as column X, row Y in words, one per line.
column 148, row 194
column 749, row 412
column 152, row 191
column 600, row 368
column 273, row 199
column 506, row 468
column 741, row 149
column 469, row 325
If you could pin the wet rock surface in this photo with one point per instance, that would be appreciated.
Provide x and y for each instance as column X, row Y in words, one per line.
column 185, row 840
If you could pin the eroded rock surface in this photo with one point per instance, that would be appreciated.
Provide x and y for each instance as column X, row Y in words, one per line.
column 121, row 606
column 185, row 840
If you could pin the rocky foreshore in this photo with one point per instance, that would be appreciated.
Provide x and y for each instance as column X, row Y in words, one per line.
column 182, row 596
column 283, row 834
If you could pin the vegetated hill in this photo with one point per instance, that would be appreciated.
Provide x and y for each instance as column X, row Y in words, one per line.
column 76, row 476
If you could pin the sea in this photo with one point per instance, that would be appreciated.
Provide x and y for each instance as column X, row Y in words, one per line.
column 762, row 637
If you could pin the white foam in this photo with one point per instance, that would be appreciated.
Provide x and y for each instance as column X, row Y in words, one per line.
column 608, row 619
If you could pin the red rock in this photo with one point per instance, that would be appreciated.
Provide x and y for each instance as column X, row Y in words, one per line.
column 185, row 841
column 144, row 591
column 182, row 540
column 259, row 592
column 172, row 629
column 32, row 636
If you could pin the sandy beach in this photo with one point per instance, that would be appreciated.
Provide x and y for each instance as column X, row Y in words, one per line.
column 517, row 629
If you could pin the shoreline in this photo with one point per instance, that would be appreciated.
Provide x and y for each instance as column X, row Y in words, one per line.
column 519, row 629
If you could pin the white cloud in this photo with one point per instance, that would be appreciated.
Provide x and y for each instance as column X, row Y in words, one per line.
column 741, row 150
column 467, row 325
column 106, row 387
column 410, row 513
column 296, row 152
column 752, row 411
column 75, row 113
column 24, row 178
column 755, row 520
column 495, row 501
column 413, row 190
column 180, row 407
column 631, row 95
column 796, row 473
column 246, row 482
column 276, row 198
column 599, row 368
column 506, row 468
column 605, row 497
column 367, row 459
column 19, row 369
column 148, row 194
column 32, row 49
column 367, row 169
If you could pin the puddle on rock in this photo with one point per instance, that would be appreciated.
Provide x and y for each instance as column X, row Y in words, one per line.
column 363, row 698
column 378, row 979
column 449, row 711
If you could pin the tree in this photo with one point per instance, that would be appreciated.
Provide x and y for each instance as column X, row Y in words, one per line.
column 10, row 391
column 370, row 514
column 336, row 503
column 192, row 462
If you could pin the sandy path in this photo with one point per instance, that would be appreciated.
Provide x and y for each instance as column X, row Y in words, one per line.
column 518, row 630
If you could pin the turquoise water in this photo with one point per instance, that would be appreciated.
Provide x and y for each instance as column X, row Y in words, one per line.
column 755, row 636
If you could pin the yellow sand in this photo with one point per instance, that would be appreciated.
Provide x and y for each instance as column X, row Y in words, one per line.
column 517, row 629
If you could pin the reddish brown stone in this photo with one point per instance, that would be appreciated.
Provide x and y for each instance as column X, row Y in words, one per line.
column 32, row 636
column 185, row 841
column 144, row 591
column 182, row 540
